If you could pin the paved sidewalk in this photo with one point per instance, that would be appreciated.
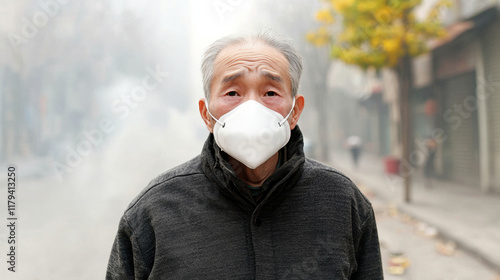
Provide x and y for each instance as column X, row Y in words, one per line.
column 460, row 213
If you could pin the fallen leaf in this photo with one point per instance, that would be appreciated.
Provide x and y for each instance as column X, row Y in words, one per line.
column 399, row 261
column 396, row 270
column 446, row 248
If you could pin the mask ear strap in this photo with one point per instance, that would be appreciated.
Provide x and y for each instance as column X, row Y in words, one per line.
column 219, row 122
column 284, row 120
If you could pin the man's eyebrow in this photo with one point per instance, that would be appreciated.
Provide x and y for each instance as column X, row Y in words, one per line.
column 231, row 77
column 271, row 76
column 267, row 74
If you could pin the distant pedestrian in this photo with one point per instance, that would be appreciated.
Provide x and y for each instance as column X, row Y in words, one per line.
column 430, row 145
column 354, row 143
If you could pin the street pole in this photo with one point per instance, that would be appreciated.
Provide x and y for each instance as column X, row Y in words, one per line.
column 405, row 83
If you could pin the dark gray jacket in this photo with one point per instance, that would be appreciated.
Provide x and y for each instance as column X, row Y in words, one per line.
column 198, row 221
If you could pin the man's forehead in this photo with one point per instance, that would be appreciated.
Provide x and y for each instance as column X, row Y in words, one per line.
column 250, row 52
column 239, row 60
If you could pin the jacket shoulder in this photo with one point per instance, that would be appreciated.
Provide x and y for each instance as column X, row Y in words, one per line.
column 189, row 168
column 318, row 168
column 330, row 179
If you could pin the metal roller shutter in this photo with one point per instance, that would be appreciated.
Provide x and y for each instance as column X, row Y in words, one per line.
column 461, row 149
column 491, row 54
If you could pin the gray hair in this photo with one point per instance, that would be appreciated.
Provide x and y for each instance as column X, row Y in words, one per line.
column 280, row 43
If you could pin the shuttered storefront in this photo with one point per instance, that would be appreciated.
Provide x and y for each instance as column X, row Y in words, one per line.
column 461, row 148
column 491, row 54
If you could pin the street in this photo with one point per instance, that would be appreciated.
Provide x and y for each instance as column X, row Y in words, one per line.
column 419, row 249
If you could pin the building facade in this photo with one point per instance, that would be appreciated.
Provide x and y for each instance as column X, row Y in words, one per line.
column 464, row 83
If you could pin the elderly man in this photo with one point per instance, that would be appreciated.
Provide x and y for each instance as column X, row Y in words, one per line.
column 251, row 206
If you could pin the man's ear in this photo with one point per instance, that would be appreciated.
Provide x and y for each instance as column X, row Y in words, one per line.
column 297, row 110
column 204, row 114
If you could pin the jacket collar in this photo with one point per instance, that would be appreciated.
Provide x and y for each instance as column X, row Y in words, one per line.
column 223, row 176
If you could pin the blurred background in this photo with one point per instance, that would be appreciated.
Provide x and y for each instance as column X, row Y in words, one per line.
column 99, row 97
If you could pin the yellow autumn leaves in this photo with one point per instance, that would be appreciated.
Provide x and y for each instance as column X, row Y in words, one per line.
column 375, row 33
column 341, row 5
column 325, row 16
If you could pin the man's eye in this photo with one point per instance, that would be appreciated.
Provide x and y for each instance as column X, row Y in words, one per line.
column 232, row 93
column 271, row 93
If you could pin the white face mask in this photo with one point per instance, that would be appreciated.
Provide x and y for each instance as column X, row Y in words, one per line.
column 252, row 133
